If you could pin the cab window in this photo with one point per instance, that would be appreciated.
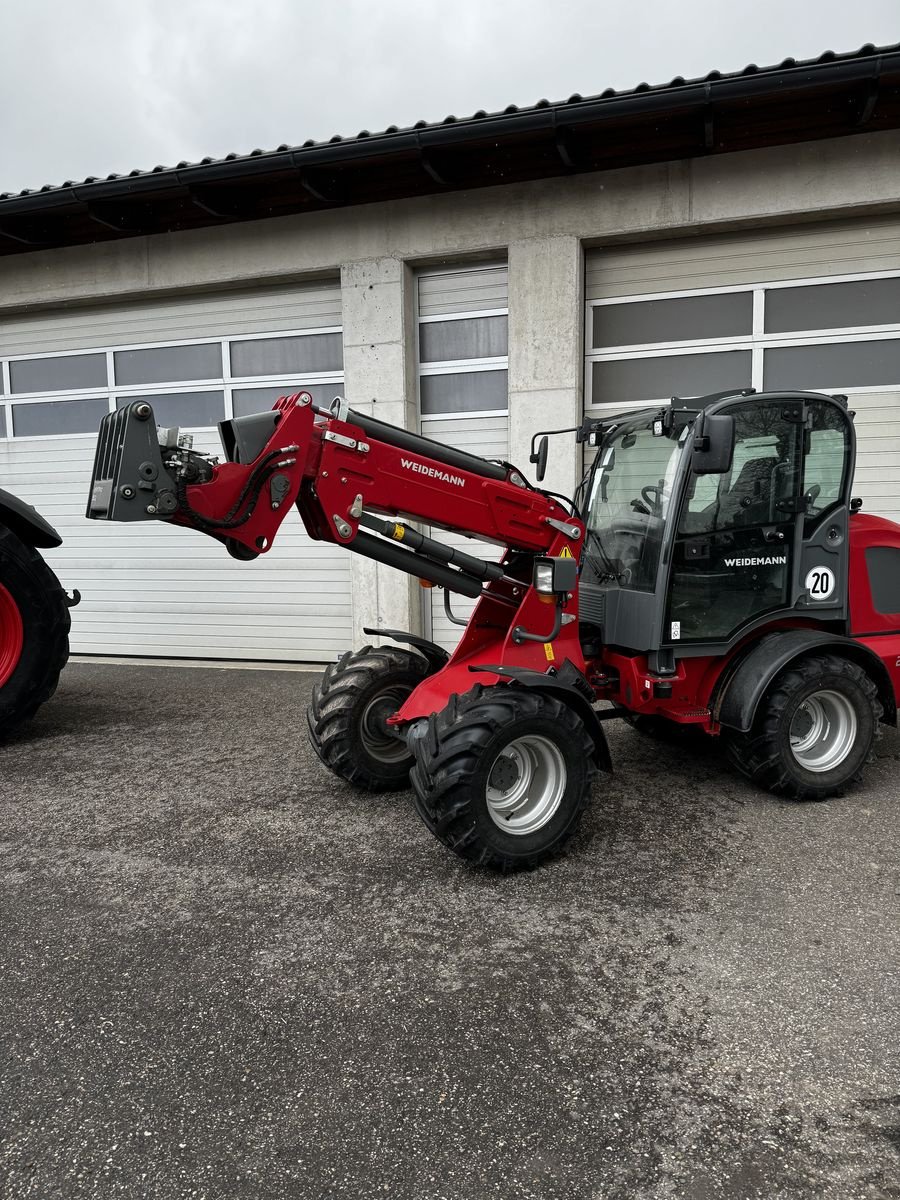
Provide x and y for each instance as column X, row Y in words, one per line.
column 827, row 461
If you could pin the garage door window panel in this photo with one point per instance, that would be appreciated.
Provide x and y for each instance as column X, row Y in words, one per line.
column 464, row 392
column 54, row 417
column 467, row 338
column 58, row 373
column 168, row 364
column 620, row 381
column 685, row 319
column 191, row 410
column 315, row 354
column 856, row 303
column 874, row 362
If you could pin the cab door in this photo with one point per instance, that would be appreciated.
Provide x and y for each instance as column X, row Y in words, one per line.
column 739, row 533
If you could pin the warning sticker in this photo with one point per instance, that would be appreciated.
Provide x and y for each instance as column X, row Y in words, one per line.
column 548, row 651
column 565, row 552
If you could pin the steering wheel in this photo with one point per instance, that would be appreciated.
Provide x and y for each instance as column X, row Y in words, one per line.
column 649, row 527
column 653, row 496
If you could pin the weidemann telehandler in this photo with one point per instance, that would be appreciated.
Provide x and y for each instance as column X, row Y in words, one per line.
column 712, row 572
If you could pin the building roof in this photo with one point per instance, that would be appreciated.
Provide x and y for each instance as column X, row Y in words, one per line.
column 830, row 96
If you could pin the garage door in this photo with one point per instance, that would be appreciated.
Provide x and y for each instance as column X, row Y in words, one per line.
column 463, row 389
column 153, row 589
column 809, row 307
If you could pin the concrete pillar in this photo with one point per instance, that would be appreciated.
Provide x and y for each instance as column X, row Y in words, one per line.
column 379, row 375
column 546, row 353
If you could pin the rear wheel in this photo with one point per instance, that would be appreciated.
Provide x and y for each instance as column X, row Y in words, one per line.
column 815, row 732
column 503, row 775
column 348, row 713
column 34, row 631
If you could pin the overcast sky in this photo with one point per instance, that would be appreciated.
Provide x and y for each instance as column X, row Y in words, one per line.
column 88, row 87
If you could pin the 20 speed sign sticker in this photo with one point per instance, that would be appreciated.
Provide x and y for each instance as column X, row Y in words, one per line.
column 820, row 583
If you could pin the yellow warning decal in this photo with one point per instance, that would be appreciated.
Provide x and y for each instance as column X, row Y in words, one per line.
column 548, row 650
column 398, row 533
column 565, row 552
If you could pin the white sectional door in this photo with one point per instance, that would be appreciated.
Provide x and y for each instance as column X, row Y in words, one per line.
column 808, row 307
column 462, row 355
column 157, row 590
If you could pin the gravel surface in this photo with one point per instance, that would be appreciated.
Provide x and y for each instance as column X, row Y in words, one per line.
column 226, row 975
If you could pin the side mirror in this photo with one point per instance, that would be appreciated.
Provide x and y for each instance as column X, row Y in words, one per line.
column 541, row 458
column 713, row 444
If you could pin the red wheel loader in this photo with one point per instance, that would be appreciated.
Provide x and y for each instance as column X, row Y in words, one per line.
column 712, row 574
column 34, row 614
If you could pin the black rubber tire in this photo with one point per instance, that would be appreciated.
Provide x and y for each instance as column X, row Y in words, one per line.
column 764, row 754
column 455, row 753
column 338, row 705
column 41, row 602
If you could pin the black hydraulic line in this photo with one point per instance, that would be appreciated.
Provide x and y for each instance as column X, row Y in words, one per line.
column 249, row 496
column 425, row 447
column 421, row 543
column 415, row 564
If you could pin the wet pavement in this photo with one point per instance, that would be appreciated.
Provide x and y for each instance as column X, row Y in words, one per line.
column 225, row 974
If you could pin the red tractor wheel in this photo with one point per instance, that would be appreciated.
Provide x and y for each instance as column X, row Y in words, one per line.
column 12, row 635
column 34, row 631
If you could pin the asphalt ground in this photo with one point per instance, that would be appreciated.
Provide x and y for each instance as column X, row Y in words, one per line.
column 227, row 975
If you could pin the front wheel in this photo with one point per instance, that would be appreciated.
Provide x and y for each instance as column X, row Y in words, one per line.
column 815, row 731
column 503, row 775
column 348, row 712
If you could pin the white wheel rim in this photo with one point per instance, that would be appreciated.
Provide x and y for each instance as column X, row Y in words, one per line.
column 525, row 784
column 823, row 731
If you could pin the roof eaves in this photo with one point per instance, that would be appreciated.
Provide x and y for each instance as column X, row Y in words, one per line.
column 677, row 95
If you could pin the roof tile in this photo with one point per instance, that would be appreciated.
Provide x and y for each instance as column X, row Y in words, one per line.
column 828, row 56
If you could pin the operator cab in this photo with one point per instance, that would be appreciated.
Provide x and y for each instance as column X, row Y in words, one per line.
column 710, row 517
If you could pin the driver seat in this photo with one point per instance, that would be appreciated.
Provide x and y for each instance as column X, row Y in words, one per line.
column 747, row 501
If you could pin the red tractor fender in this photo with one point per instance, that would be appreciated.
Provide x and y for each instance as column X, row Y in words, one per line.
column 567, row 685
column 745, row 680
column 27, row 523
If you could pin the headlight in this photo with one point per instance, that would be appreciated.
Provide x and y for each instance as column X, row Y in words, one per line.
column 543, row 576
column 555, row 576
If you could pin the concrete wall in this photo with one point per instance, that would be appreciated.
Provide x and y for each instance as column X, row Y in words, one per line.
column 814, row 180
column 541, row 227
